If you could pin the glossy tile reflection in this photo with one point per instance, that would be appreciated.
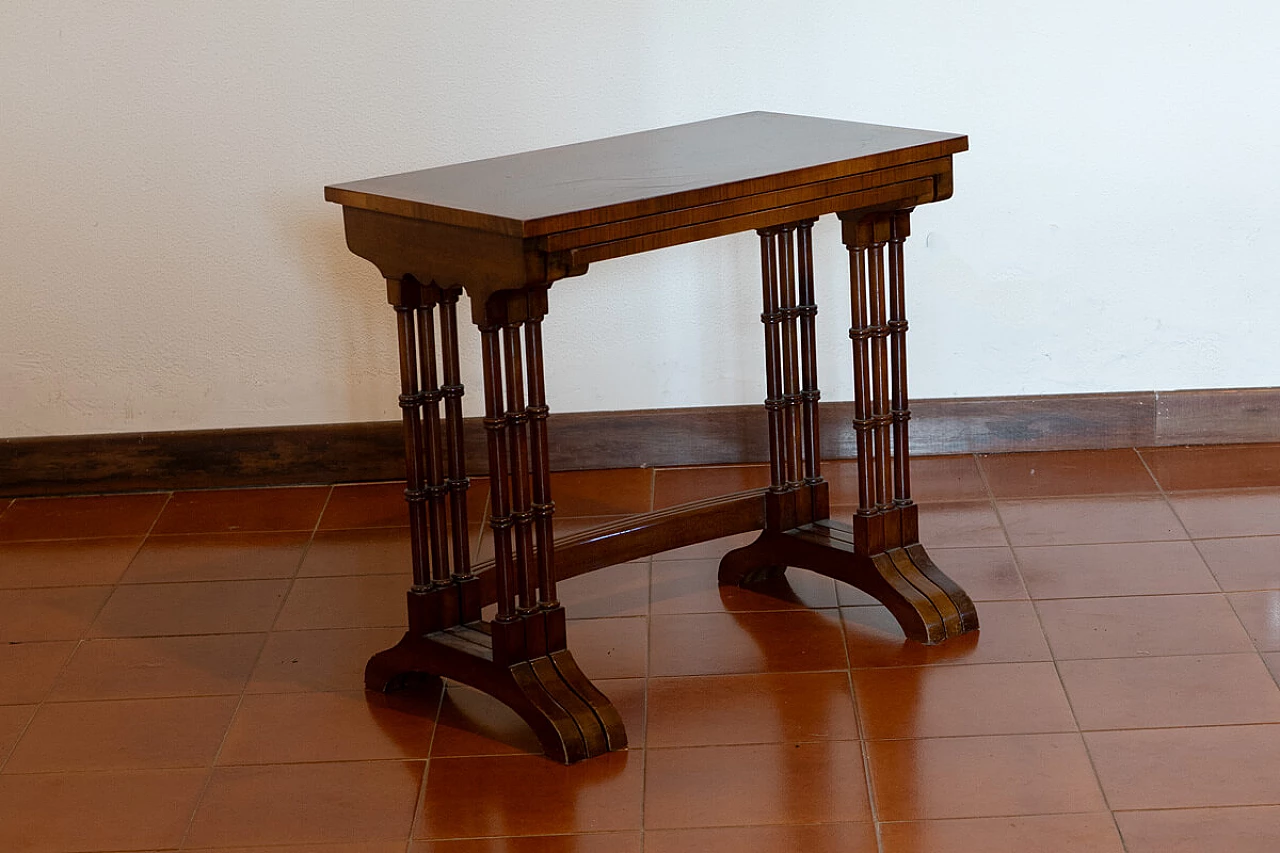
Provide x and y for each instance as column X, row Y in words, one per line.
column 185, row 672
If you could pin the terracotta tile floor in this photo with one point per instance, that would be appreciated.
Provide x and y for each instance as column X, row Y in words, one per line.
column 183, row 671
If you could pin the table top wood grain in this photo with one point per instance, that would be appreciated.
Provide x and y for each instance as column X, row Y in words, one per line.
column 616, row 188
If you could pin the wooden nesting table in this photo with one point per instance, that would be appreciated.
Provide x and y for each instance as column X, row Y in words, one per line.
column 502, row 231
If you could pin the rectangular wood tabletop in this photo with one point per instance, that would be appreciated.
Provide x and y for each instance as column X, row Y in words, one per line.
column 624, row 187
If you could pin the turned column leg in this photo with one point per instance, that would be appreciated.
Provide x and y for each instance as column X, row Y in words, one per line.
column 411, row 411
column 520, row 497
column 869, row 333
column 435, row 477
column 521, row 656
column 508, row 644
column 432, row 603
column 900, row 413
column 543, row 507
column 809, row 394
column 965, row 616
column 797, row 493
column 791, row 371
column 602, row 727
column 529, row 633
column 774, row 404
column 886, row 523
column 880, row 551
column 469, row 600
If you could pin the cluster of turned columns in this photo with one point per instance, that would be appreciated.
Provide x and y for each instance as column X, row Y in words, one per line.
column 529, row 619
column 445, row 592
column 515, row 421
column 524, row 661
column 791, row 361
column 885, row 515
column 520, row 506
column 879, row 336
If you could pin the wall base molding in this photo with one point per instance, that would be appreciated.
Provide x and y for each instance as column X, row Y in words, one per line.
column 334, row 453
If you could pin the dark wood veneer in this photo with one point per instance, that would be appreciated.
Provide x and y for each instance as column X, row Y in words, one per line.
column 538, row 193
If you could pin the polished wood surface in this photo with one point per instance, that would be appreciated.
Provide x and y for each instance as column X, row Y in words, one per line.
column 504, row 231
column 532, row 219
column 681, row 168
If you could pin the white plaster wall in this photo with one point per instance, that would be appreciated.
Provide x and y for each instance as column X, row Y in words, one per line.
column 167, row 260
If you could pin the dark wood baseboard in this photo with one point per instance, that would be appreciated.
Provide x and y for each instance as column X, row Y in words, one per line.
column 336, row 453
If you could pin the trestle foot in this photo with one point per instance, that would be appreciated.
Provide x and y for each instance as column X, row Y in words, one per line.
column 929, row 606
column 570, row 717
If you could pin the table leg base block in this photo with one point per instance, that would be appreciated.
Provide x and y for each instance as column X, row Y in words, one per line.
column 570, row 717
column 929, row 606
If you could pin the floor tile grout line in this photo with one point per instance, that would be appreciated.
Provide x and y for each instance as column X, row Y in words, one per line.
column 1169, row 503
column 235, row 713
column 1093, row 765
column 1142, row 460
column 420, row 801
column 1225, row 596
column 599, row 833
column 996, row 663
column 17, row 741
column 1073, row 813
column 1008, row 543
column 1046, row 732
column 102, row 700
column 79, row 642
column 176, row 583
column 1134, row 595
column 864, row 746
column 1147, row 465
column 113, row 771
column 1214, row 807
column 982, row 476
column 1079, row 544
column 644, row 766
column 995, row 817
column 1074, row 497
column 160, row 537
column 648, row 673
column 1237, row 652
column 1093, row 768
column 1248, row 490
column 263, row 631
column 1258, row 650
column 107, row 771
column 1078, row 496
column 1273, row 723
column 1135, row 542
column 1237, row 536
column 426, row 768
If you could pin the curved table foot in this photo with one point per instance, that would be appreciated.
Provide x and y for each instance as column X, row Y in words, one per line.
column 928, row 605
column 571, row 718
